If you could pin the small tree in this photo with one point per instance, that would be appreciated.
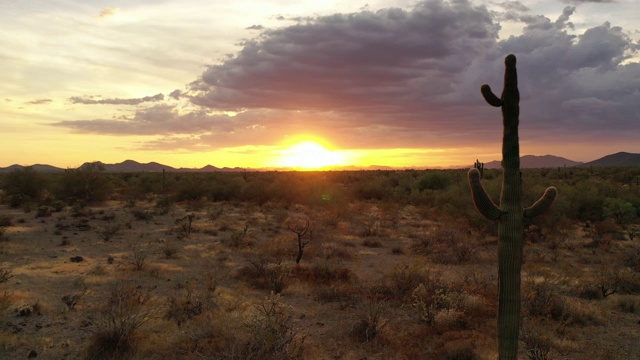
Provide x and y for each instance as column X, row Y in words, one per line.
column 304, row 235
column 86, row 184
column 23, row 184
column 622, row 211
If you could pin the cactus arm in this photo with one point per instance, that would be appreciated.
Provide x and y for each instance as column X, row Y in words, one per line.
column 489, row 96
column 542, row 204
column 481, row 199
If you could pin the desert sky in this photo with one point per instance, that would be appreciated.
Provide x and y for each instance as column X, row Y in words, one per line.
column 313, row 84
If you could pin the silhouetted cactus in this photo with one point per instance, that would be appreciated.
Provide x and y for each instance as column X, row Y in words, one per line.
column 510, row 214
column 480, row 166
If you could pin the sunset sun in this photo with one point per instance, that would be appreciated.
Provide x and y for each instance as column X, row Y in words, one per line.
column 310, row 155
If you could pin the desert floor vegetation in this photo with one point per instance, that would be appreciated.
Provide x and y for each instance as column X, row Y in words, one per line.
column 396, row 265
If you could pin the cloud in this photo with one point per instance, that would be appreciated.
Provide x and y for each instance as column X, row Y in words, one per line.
column 91, row 101
column 403, row 78
column 587, row 1
column 107, row 12
column 255, row 27
column 39, row 101
column 159, row 119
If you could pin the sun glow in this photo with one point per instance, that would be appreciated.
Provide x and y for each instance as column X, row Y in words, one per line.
column 310, row 155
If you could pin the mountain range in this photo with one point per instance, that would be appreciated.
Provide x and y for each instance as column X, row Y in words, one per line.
column 526, row 161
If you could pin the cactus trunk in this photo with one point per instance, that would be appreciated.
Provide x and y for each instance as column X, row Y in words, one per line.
column 510, row 214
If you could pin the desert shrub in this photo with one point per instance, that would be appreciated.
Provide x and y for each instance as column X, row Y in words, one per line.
column 332, row 250
column 85, row 185
column 369, row 226
column 628, row 304
column 372, row 243
column 237, row 238
column 446, row 244
column 264, row 274
column 370, row 320
column 370, row 187
column 115, row 334
column 108, row 231
column 540, row 300
column 433, row 180
column 397, row 250
column 72, row 299
column 187, row 303
column 23, row 185
column 457, row 345
column 344, row 294
column 5, row 220
column 170, row 249
column 141, row 214
column 632, row 259
column 621, row 210
column 432, row 297
column 138, row 257
column 537, row 340
column 271, row 333
column 5, row 275
column 402, row 281
column 322, row 273
column 602, row 233
column 185, row 225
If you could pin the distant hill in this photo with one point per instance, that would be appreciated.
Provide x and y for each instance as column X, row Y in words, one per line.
column 534, row 161
column 134, row 166
column 617, row 159
column 125, row 167
column 36, row 167
column 527, row 161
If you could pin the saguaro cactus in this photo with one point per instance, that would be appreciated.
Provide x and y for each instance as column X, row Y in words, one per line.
column 510, row 214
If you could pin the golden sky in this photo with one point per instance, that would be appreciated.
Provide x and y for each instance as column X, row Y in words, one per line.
column 310, row 84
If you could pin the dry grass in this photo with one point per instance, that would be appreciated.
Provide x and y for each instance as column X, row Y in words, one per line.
column 398, row 284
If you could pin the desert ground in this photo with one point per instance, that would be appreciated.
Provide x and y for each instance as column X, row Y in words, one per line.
column 393, row 267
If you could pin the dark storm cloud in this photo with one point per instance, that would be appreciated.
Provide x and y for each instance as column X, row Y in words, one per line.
column 92, row 101
column 404, row 78
column 351, row 62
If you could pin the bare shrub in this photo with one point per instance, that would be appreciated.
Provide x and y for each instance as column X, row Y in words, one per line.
column 402, row 281
column 370, row 322
column 185, row 225
column 602, row 233
column 369, row 227
column 138, row 257
column 5, row 275
column 237, row 238
column 446, row 244
column 188, row 303
column 115, row 336
column 431, row 297
column 264, row 274
column 272, row 335
column 304, row 235
column 141, row 214
column 628, row 304
column 537, row 340
column 372, row 243
column 170, row 249
column 71, row 300
column 107, row 232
